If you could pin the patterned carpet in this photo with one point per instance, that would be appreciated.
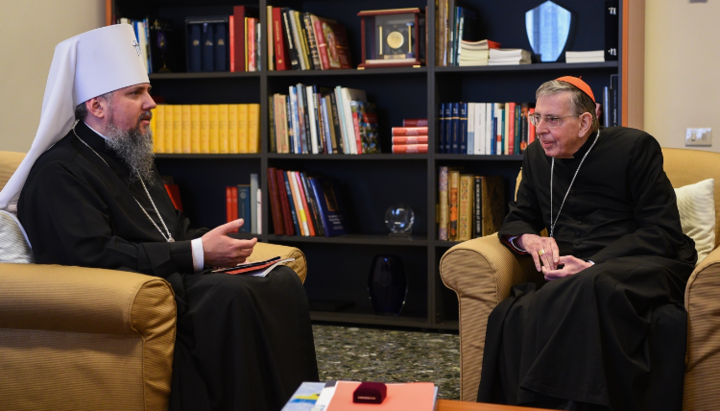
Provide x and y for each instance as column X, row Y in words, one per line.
column 367, row 354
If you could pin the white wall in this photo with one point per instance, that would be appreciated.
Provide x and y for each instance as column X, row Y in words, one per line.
column 682, row 69
column 29, row 32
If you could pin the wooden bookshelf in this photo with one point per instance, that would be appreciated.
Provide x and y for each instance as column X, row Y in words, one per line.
column 338, row 267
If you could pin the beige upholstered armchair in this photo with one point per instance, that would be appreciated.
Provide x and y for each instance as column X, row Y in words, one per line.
column 482, row 271
column 75, row 338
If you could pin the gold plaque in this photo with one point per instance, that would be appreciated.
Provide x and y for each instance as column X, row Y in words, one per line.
column 395, row 40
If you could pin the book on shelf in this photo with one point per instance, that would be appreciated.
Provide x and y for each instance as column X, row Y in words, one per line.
column 207, row 43
column 254, row 199
column 316, row 119
column 307, row 203
column 476, row 53
column 239, row 38
column 409, row 148
column 612, row 22
column 399, row 140
column 206, row 128
column 305, row 41
column 594, row 56
column 469, row 205
column 442, row 208
column 231, row 204
column 484, row 128
column 415, row 122
column 244, row 207
column 173, row 191
column 500, row 57
column 409, row 131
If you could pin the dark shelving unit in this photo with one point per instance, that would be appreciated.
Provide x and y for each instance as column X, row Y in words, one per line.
column 338, row 267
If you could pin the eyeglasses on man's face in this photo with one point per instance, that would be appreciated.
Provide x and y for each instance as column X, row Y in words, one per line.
column 550, row 121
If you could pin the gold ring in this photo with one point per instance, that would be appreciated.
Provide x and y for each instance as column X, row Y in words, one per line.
column 541, row 253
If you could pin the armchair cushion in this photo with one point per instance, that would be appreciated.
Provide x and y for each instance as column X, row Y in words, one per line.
column 13, row 240
column 696, row 203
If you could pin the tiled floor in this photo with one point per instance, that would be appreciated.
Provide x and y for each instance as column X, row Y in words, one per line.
column 366, row 354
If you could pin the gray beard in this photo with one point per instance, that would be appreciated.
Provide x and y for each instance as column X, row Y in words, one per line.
column 135, row 149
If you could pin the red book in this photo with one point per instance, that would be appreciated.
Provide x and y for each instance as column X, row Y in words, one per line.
column 275, row 205
column 231, row 204
column 409, row 131
column 284, row 204
column 238, row 29
column 415, row 122
column 251, row 43
column 303, row 198
column 409, row 140
column 279, row 39
column 531, row 128
column 174, row 192
column 321, row 43
column 231, row 38
column 409, row 148
column 510, row 135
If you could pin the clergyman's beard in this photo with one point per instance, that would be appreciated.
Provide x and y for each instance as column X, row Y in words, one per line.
column 135, row 148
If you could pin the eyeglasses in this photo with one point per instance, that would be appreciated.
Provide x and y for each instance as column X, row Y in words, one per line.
column 550, row 121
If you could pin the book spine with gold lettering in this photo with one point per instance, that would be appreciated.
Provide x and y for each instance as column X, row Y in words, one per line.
column 223, row 129
column 232, row 122
column 186, row 129
column 465, row 199
column 205, row 128
column 168, row 140
column 253, row 128
column 177, row 129
column 157, row 125
column 214, row 129
column 195, row 128
column 242, row 128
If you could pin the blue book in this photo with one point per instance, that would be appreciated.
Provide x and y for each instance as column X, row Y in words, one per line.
column 244, row 207
column 455, row 116
column 448, row 128
column 324, row 117
column 462, row 128
column 441, row 122
column 221, row 47
column 330, row 207
column 208, row 47
column 194, row 59
column 291, row 203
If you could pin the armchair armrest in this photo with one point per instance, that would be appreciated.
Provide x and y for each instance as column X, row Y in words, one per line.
column 482, row 272
column 66, row 331
column 263, row 251
column 702, row 387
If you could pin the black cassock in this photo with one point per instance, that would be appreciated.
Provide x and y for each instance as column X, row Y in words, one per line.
column 243, row 343
column 614, row 334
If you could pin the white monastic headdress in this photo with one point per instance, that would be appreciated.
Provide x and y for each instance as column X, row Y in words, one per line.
column 83, row 67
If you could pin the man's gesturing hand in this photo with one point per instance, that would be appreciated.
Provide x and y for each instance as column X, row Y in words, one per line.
column 223, row 251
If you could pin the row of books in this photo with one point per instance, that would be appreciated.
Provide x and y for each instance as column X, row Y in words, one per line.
column 206, row 128
column 485, row 128
column 322, row 120
column 476, row 53
column 303, row 41
column 454, row 23
column 146, row 34
column 304, row 205
column 408, row 140
column 245, row 201
column 224, row 43
column 469, row 205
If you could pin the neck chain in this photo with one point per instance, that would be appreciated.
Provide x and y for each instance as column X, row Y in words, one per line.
column 167, row 237
column 552, row 168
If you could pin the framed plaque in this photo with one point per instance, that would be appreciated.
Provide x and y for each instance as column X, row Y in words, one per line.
column 392, row 38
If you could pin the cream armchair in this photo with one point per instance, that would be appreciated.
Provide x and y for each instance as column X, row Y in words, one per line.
column 482, row 271
column 75, row 338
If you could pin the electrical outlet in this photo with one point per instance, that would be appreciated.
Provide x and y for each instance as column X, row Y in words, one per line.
column 698, row 137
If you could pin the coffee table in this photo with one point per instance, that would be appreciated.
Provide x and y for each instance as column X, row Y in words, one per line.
column 451, row 405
